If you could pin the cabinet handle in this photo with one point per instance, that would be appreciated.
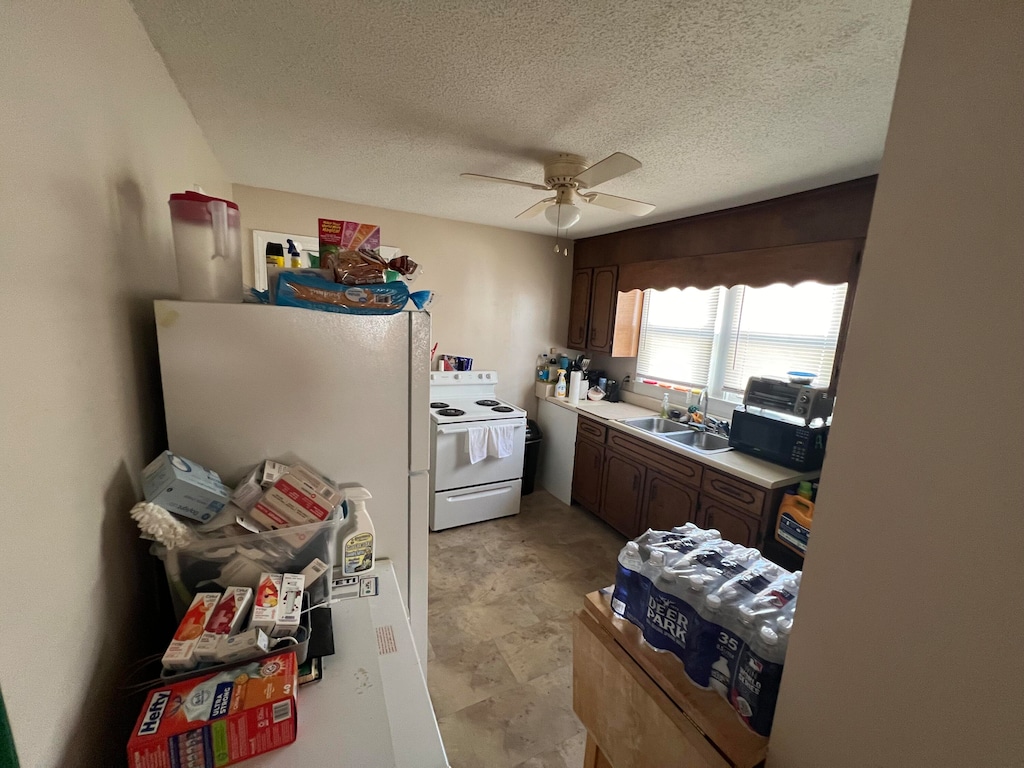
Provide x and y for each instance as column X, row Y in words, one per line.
column 597, row 461
column 728, row 490
column 635, row 479
column 654, row 492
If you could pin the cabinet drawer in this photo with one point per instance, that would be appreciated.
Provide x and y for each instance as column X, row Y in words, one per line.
column 738, row 494
column 632, row 720
column 683, row 470
column 591, row 429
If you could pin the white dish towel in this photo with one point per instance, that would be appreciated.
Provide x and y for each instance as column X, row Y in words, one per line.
column 499, row 442
column 476, row 444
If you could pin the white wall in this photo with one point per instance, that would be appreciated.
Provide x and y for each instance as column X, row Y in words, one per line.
column 501, row 296
column 94, row 137
column 907, row 649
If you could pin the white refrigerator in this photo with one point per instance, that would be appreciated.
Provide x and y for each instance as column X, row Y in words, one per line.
column 348, row 394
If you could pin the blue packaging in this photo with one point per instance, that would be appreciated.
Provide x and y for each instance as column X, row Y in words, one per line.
column 184, row 487
column 310, row 291
column 670, row 623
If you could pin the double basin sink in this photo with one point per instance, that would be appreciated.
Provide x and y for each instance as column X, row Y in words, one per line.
column 680, row 434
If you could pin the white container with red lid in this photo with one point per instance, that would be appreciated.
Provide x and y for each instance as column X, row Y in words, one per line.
column 207, row 246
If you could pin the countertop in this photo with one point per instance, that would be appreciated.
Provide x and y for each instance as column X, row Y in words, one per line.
column 753, row 470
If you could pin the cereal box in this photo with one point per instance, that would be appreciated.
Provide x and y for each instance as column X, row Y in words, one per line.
column 218, row 719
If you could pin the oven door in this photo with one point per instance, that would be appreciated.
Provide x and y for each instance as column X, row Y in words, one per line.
column 450, row 454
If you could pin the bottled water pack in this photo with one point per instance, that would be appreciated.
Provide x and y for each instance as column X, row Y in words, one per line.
column 721, row 608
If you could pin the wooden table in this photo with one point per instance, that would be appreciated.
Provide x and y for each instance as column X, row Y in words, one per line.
column 640, row 709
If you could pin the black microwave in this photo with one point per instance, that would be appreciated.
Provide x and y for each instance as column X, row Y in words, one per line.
column 782, row 442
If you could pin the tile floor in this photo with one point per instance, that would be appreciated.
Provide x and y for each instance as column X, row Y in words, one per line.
column 499, row 665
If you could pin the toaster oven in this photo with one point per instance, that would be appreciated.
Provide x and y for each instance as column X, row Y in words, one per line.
column 800, row 400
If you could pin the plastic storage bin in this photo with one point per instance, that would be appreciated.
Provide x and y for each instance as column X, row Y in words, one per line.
column 238, row 561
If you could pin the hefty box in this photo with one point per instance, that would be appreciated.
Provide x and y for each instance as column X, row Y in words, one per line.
column 184, row 487
column 218, row 719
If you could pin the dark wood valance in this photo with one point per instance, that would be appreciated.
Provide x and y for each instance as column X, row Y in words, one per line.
column 830, row 262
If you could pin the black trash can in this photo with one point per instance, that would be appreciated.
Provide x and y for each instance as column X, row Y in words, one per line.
column 533, row 438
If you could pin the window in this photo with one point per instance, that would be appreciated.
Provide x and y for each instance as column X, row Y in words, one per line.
column 723, row 336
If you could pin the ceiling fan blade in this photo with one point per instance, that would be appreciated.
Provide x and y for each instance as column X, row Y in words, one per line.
column 478, row 177
column 610, row 168
column 536, row 208
column 623, row 204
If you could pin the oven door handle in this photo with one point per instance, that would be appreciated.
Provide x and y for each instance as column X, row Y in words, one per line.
column 443, row 431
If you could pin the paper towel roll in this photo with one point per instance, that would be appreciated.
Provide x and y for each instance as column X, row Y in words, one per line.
column 575, row 384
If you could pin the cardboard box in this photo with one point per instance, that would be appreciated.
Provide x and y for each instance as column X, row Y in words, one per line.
column 218, row 719
column 223, row 622
column 245, row 645
column 298, row 497
column 180, row 654
column 267, row 602
column 184, row 487
column 337, row 236
column 290, row 610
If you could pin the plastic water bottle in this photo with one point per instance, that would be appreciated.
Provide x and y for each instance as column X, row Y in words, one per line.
column 670, row 620
column 627, row 583
column 715, row 649
column 758, row 673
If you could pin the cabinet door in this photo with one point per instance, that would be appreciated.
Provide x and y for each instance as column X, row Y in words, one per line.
column 579, row 308
column 586, row 474
column 667, row 503
column 735, row 526
column 622, row 490
column 603, row 296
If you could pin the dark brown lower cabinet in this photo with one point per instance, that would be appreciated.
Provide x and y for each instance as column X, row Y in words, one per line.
column 622, row 491
column 735, row 526
column 586, row 475
column 667, row 503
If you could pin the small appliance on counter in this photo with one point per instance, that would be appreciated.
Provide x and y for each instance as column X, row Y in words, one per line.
column 794, row 445
column 794, row 397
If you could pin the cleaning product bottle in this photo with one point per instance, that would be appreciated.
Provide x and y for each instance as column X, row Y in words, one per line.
column 358, row 540
column 561, row 387
column 664, row 406
column 293, row 253
column 542, row 367
column 805, row 489
column 793, row 525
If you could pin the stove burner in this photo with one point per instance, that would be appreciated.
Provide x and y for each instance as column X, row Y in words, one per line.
column 451, row 412
column 439, row 405
column 503, row 409
column 487, row 402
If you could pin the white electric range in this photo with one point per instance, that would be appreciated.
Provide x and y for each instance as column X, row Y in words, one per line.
column 463, row 492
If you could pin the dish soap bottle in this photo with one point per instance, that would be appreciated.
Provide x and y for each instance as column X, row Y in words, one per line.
column 664, row 406
column 560, row 387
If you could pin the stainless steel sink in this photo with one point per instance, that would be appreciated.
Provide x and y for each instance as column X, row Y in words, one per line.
column 705, row 442
column 656, row 426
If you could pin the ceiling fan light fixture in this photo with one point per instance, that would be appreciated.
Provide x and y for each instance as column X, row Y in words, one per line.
column 562, row 215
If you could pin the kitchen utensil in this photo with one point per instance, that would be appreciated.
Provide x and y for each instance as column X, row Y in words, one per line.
column 207, row 247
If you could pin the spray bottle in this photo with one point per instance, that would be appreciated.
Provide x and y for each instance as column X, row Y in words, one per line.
column 358, row 540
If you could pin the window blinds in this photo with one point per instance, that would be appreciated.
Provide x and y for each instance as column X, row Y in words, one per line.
column 782, row 328
column 677, row 335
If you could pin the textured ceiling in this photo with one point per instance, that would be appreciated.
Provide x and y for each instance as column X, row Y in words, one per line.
column 386, row 102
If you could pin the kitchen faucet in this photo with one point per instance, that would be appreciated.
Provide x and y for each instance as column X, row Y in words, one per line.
column 702, row 399
column 710, row 423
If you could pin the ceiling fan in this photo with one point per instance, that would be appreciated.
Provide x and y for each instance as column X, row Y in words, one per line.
column 568, row 176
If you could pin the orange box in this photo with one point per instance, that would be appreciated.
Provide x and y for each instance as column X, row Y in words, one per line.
column 218, row 719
